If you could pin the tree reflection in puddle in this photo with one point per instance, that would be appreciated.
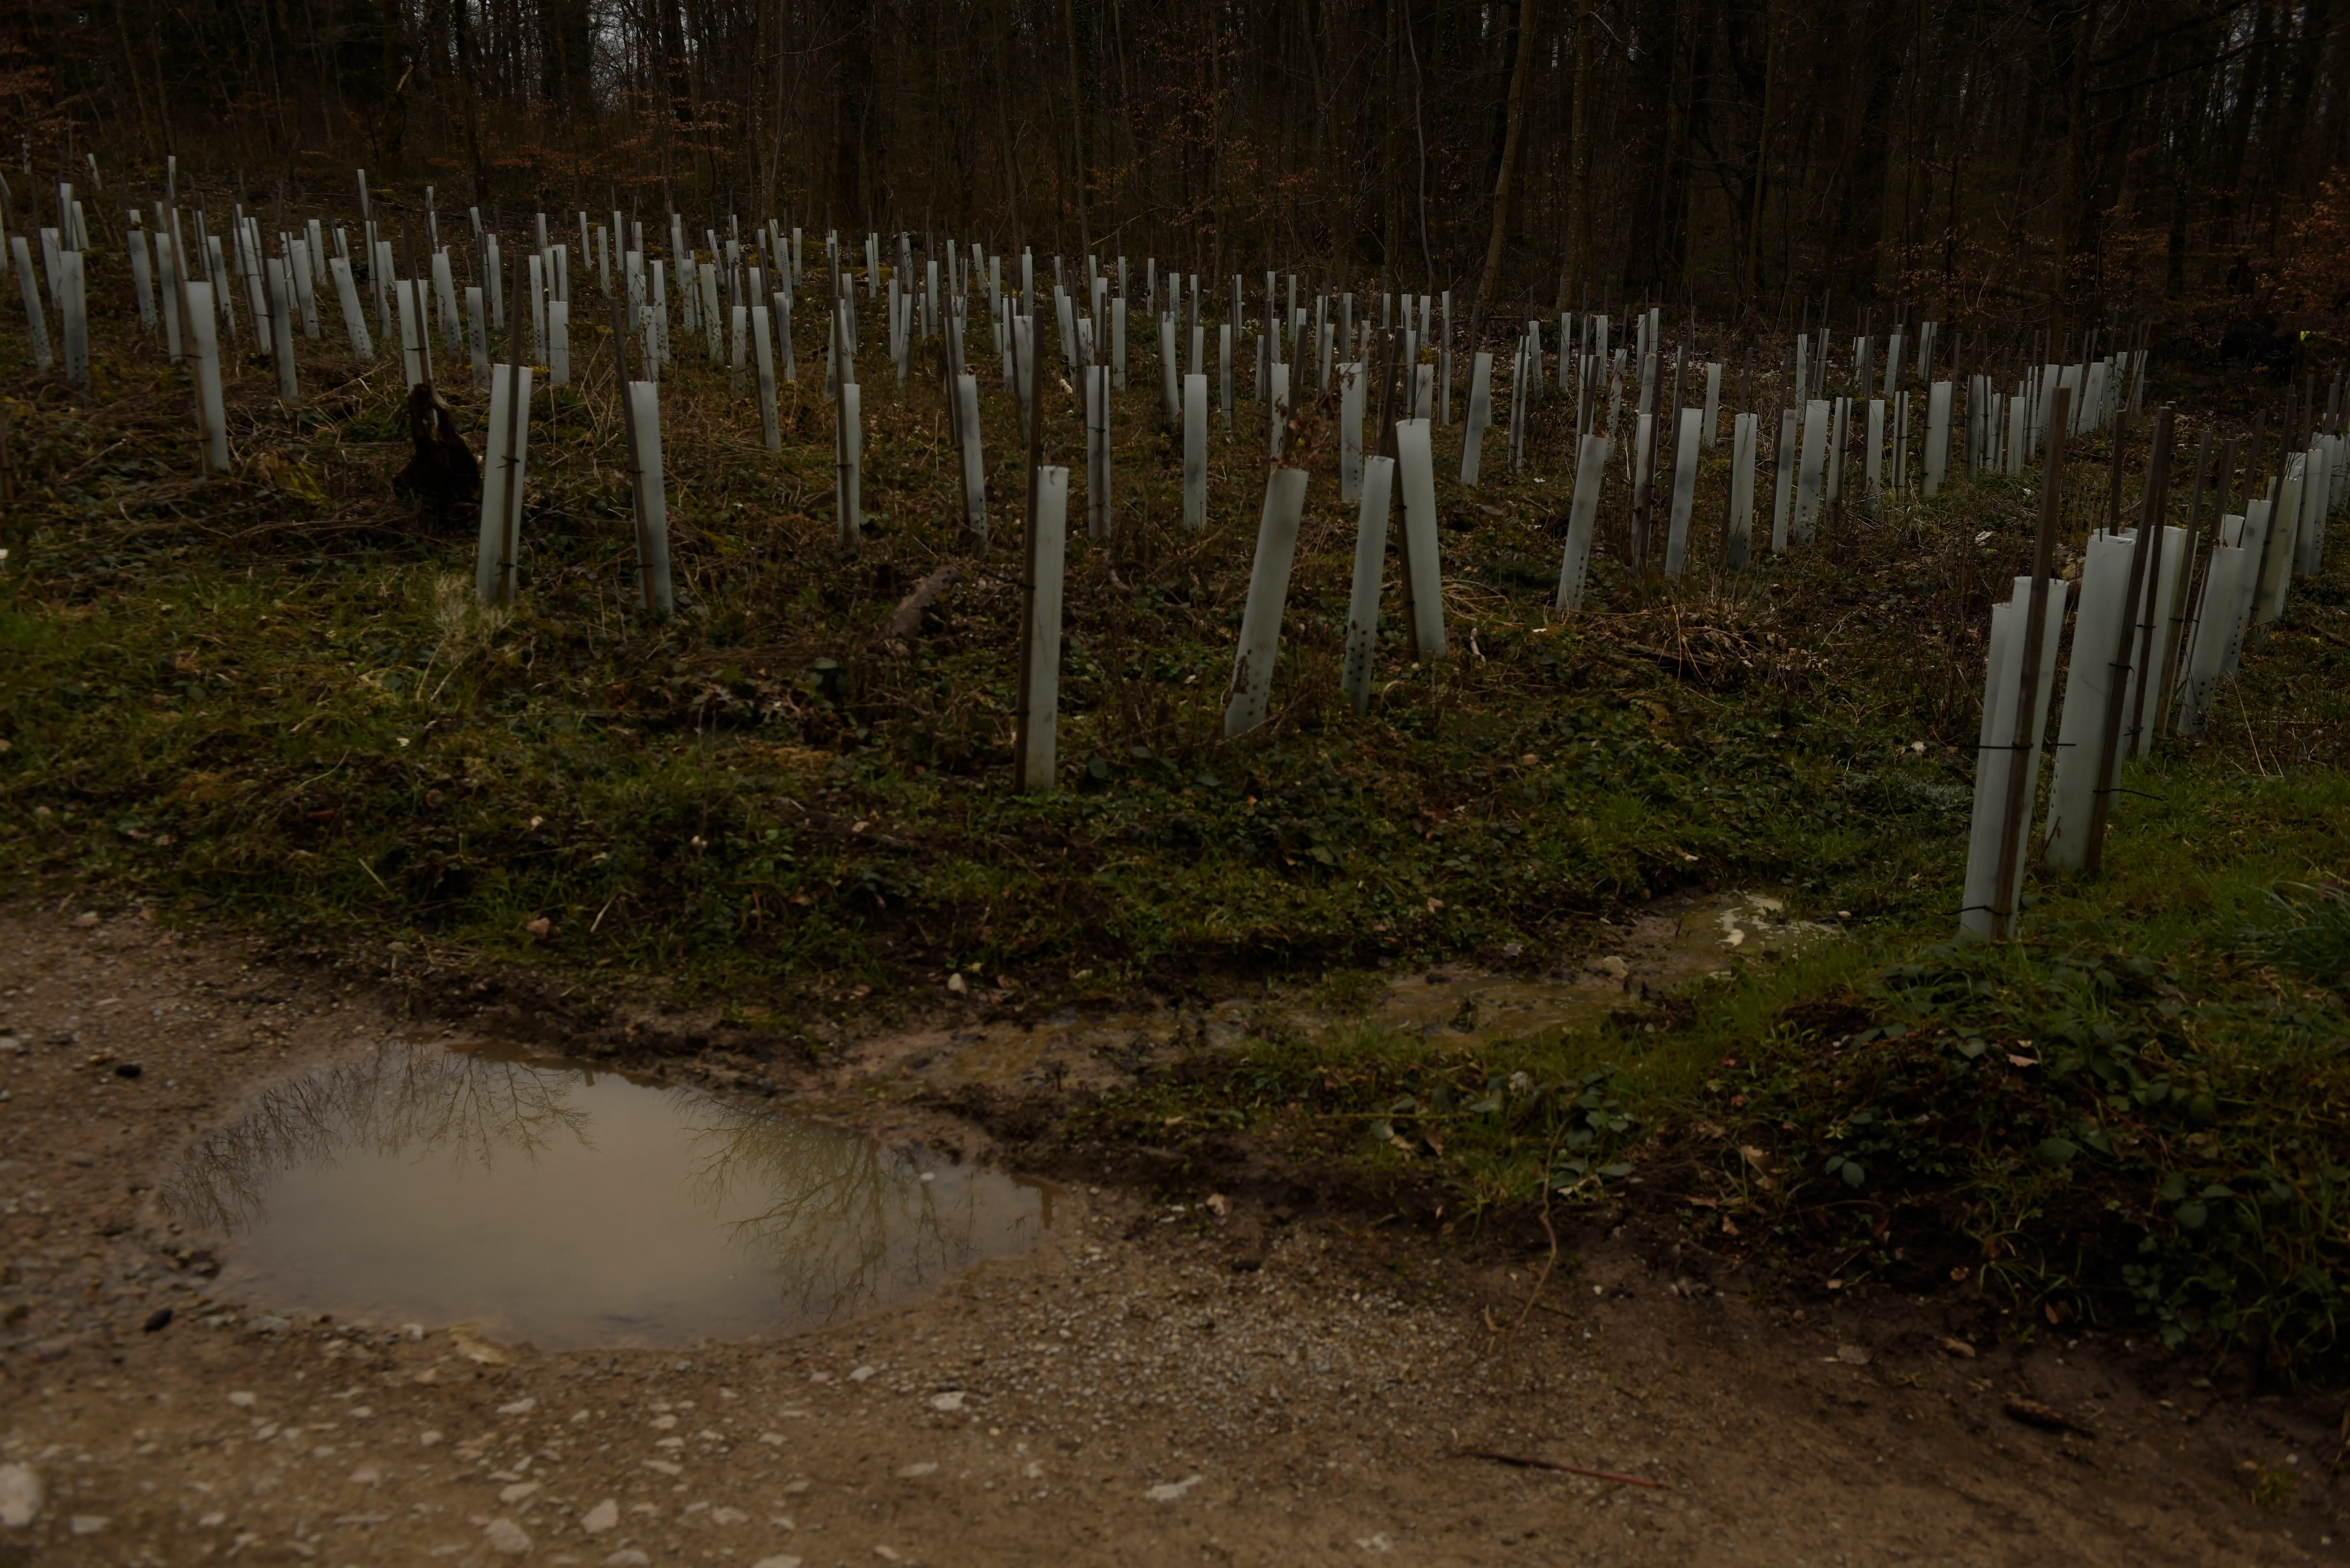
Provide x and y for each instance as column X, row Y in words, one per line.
column 545, row 1200
column 841, row 1218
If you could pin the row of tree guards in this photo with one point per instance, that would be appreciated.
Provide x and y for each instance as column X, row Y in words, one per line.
column 2163, row 612
column 2164, row 615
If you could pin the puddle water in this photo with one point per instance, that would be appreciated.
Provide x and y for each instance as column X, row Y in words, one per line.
column 1668, row 943
column 543, row 1200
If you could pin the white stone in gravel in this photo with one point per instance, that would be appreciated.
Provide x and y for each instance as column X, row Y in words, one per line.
column 243, row 1400
column 727, row 1516
column 860, row 1374
column 517, row 1492
column 365, row 1475
column 1171, row 1491
column 778, row 1560
column 506, row 1538
column 20, row 1496
column 521, row 1406
column 602, row 1517
column 628, row 1557
column 86, row 1524
column 946, row 1401
column 921, row 1467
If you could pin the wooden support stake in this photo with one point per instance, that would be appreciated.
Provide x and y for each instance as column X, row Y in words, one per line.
column 2137, row 597
column 2182, row 593
column 2020, row 782
column 636, row 458
column 518, row 429
column 1025, row 719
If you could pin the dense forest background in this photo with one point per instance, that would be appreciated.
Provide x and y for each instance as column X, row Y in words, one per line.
column 2029, row 164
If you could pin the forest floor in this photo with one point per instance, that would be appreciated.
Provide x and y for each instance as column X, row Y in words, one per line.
column 769, row 847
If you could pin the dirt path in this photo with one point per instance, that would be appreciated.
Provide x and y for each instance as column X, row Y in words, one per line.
column 1150, row 1386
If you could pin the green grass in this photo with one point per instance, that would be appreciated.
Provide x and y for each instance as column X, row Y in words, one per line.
column 267, row 698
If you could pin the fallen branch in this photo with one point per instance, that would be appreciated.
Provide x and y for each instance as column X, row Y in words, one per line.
column 1523, row 1463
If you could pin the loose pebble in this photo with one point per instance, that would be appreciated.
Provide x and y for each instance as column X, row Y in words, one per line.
column 20, row 1496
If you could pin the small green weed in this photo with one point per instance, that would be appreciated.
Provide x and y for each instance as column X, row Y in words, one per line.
column 2312, row 939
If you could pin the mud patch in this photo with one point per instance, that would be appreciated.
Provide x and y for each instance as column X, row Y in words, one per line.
column 1640, row 959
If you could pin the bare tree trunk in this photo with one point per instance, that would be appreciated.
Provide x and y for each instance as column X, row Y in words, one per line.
column 1391, row 222
column 1077, row 126
column 2075, row 212
column 395, row 69
column 1577, row 261
column 1751, row 274
column 461, row 24
column 1504, row 182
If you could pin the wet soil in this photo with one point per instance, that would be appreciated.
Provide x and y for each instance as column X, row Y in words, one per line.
column 1201, row 1381
column 987, row 1040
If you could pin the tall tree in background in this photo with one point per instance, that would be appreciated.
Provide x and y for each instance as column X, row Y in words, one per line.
column 1507, row 176
column 2038, row 165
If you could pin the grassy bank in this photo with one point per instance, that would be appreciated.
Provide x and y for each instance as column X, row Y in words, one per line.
column 271, row 694
column 268, row 697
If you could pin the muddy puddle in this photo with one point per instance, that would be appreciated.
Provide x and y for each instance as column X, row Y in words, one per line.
column 1669, row 943
column 542, row 1200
